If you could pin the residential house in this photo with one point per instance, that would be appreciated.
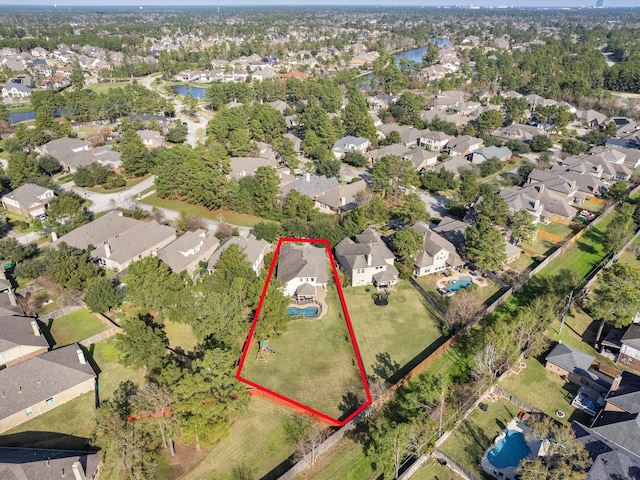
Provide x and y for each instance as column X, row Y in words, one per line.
column 446, row 100
column 42, row 383
column 438, row 253
column 105, row 156
column 577, row 367
column 279, row 105
column 456, row 164
column 408, row 135
column 556, row 204
column 587, row 186
column 381, row 102
column 187, row 251
column 435, row 141
column 15, row 90
column 619, row 420
column 453, row 230
column 518, row 199
column 465, row 109
column 485, row 153
column 420, row 158
column 394, row 149
column 367, row 260
column 28, row 200
column 629, row 355
column 339, row 199
column 255, row 250
column 151, row 138
column 117, row 240
column 303, row 268
column 610, row 461
column 518, row 131
column 464, row 145
column 430, row 115
column 310, row 185
column 64, row 149
column 20, row 339
column 46, row 464
column 246, row 166
column 142, row 240
column 350, row 144
column 592, row 118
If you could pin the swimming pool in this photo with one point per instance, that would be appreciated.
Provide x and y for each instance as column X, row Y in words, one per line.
column 459, row 284
column 308, row 312
column 509, row 450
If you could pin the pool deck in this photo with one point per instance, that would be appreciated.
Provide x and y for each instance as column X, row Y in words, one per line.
column 445, row 281
column 509, row 473
column 318, row 301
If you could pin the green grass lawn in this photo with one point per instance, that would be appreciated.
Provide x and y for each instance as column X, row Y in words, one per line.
column 346, row 460
column 56, row 304
column 103, row 87
column 538, row 246
column 592, row 206
column 228, row 216
column 545, row 391
column 468, row 443
column 75, row 327
column 585, row 255
column 524, row 262
column 180, row 335
column 629, row 258
column 314, row 364
column 112, row 373
column 131, row 182
column 18, row 222
column 391, row 337
column 258, row 439
column 560, row 229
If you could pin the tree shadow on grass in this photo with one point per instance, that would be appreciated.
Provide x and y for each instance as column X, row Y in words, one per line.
column 53, row 440
column 385, row 367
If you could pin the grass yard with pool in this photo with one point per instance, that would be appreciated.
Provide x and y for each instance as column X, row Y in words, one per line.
column 394, row 338
column 314, row 363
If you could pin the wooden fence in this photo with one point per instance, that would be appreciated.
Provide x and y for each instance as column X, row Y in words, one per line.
column 98, row 337
column 59, row 313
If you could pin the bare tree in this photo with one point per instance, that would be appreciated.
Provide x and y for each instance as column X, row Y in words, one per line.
column 363, row 197
column 225, row 230
column 155, row 400
column 462, row 310
column 489, row 363
column 195, row 223
column 308, row 449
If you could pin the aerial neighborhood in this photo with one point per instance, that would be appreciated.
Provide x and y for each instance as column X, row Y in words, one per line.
column 232, row 231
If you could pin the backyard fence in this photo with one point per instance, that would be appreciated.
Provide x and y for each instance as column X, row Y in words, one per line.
column 98, row 337
column 30, row 289
column 59, row 313
column 455, row 466
column 496, row 390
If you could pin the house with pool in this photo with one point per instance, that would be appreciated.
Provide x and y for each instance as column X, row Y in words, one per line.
column 304, row 269
column 438, row 254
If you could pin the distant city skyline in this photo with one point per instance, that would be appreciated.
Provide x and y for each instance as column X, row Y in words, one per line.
column 328, row 3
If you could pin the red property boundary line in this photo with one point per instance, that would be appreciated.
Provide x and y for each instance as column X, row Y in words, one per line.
column 281, row 399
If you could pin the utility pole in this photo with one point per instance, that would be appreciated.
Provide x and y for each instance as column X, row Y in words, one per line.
column 565, row 310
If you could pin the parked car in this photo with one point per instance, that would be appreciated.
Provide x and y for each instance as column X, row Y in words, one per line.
column 42, row 217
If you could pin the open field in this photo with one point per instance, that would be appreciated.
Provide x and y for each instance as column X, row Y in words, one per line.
column 75, row 327
column 391, row 337
column 314, row 364
column 467, row 444
column 228, row 216
column 103, row 87
column 260, row 439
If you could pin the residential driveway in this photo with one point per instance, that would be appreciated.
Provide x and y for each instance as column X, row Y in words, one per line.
column 26, row 238
column 102, row 202
column 436, row 205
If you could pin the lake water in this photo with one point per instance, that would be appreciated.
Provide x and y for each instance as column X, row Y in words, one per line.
column 18, row 117
column 186, row 90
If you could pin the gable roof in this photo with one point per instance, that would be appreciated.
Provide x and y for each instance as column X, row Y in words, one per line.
column 310, row 185
column 627, row 393
column 245, row 166
column 621, row 428
column 18, row 330
column 302, row 260
column 432, row 245
column 96, row 232
column 44, row 464
column 453, row 230
column 62, row 149
column 367, row 245
column 250, row 245
column 39, row 378
column 632, row 336
column 31, row 195
column 569, row 358
column 342, row 197
column 186, row 248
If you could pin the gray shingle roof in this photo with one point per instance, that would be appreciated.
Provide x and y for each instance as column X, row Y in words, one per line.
column 570, row 359
column 17, row 330
column 187, row 248
column 342, row 196
column 302, row 260
column 310, row 185
column 250, row 245
column 97, row 231
column 621, row 428
column 627, row 395
column 433, row 244
column 632, row 336
column 34, row 380
column 31, row 195
column 41, row 464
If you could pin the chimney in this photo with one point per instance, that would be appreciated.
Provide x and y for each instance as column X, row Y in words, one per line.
column 369, row 259
column 81, row 358
column 54, row 236
column 12, row 297
column 616, row 383
column 107, row 249
column 343, row 201
column 307, row 177
column 78, row 471
column 34, row 326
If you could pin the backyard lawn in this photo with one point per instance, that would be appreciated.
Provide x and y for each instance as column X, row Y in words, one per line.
column 180, row 335
column 314, row 363
column 560, row 229
column 545, row 391
column 258, row 439
column 468, row 443
column 346, row 460
column 228, row 216
column 433, row 470
column 75, row 327
column 391, row 337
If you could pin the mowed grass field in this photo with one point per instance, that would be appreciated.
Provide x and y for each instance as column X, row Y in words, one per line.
column 314, row 363
column 75, row 327
column 391, row 337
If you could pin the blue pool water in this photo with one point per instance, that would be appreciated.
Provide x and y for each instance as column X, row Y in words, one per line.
column 462, row 282
column 308, row 312
column 509, row 451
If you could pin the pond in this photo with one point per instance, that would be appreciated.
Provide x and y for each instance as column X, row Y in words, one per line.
column 186, row 90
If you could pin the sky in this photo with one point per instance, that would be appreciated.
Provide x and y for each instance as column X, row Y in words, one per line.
column 381, row 3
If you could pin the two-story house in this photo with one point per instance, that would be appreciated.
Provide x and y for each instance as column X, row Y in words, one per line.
column 438, row 253
column 367, row 260
column 28, row 200
column 303, row 268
